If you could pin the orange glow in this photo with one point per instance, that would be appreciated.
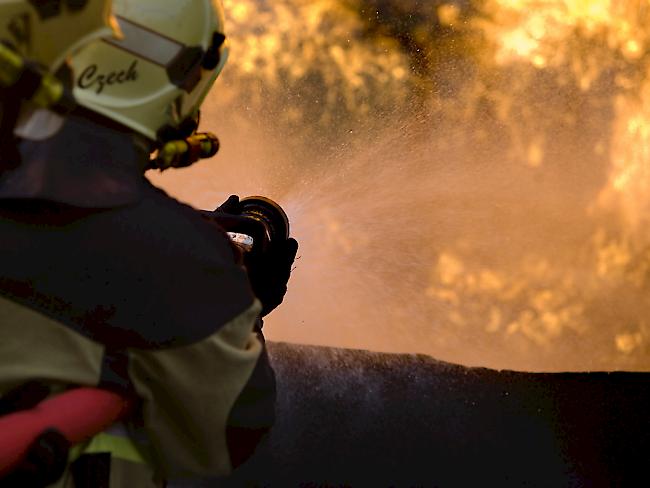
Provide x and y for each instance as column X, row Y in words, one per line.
column 495, row 217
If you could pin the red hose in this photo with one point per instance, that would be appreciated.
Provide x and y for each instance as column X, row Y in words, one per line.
column 78, row 414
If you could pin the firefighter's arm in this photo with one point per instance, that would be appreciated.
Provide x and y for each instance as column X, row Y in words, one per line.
column 206, row 405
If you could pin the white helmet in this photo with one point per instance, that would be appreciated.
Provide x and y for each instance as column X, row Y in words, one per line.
column 36, row 38
column 154, row 79
column 46, row 32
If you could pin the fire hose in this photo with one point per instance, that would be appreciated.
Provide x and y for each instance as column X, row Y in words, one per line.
column 77, row 415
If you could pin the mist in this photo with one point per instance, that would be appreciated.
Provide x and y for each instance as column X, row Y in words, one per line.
column 468, row 226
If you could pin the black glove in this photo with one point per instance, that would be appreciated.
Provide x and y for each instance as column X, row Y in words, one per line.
column 231, row 206
column 268, row 271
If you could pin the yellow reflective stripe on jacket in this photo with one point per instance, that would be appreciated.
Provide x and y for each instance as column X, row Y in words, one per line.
column 119, row 447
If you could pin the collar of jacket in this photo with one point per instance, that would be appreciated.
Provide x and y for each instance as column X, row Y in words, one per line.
column 85, row 164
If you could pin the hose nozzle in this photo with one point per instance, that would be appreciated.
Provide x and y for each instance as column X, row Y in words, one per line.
column 264, row 222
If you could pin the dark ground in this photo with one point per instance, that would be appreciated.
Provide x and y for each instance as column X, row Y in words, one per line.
column 354, row 418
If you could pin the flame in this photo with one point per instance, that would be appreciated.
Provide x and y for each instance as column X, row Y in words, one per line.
column 553, row 255
column 530, row 30
column 307, row 48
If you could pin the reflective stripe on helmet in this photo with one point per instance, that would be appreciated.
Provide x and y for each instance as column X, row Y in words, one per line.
column 145, row 43
column 182, row 63
column 159, row 75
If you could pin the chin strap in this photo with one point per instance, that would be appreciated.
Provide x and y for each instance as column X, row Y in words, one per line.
column 181, row 153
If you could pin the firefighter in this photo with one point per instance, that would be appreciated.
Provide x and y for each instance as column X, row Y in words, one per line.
column 107, row 281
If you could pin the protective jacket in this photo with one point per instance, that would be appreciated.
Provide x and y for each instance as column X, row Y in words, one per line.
column 110, row 282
